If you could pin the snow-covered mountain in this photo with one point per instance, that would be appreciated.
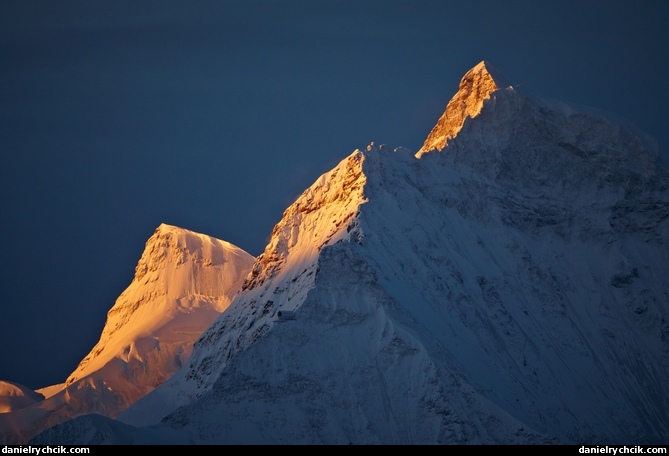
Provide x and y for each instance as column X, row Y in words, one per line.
column 505, row 284
column 14, row 396
column 183, row 282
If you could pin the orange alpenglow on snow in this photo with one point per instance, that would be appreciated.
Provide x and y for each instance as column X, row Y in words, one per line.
column 475, row 87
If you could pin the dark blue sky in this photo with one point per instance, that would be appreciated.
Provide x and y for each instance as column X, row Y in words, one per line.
column 215, row 115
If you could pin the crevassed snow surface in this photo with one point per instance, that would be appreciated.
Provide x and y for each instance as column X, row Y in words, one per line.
column 509, row 287
column 183, row 281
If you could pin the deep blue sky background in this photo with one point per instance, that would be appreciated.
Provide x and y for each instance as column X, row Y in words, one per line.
column 215, row 115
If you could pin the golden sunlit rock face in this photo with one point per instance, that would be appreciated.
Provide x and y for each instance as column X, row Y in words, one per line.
column 339, row 201
column 475, row 87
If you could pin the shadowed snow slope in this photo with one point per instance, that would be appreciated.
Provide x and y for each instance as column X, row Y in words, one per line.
column 183, row 281
column 14, row 396
column 508, row 286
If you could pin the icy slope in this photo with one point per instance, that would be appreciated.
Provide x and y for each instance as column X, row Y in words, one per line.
column 504, row 285
column 183, row 281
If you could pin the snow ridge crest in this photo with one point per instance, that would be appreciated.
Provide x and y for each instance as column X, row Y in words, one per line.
column 318, row 217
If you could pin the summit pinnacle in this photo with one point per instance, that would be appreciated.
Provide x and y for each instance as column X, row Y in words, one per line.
column 475, row 87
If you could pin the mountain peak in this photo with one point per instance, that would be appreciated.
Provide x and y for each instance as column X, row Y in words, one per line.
column 475, row 87
column 165, row 228
column 182, row 282
column 494, row 295
column 484, row 69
